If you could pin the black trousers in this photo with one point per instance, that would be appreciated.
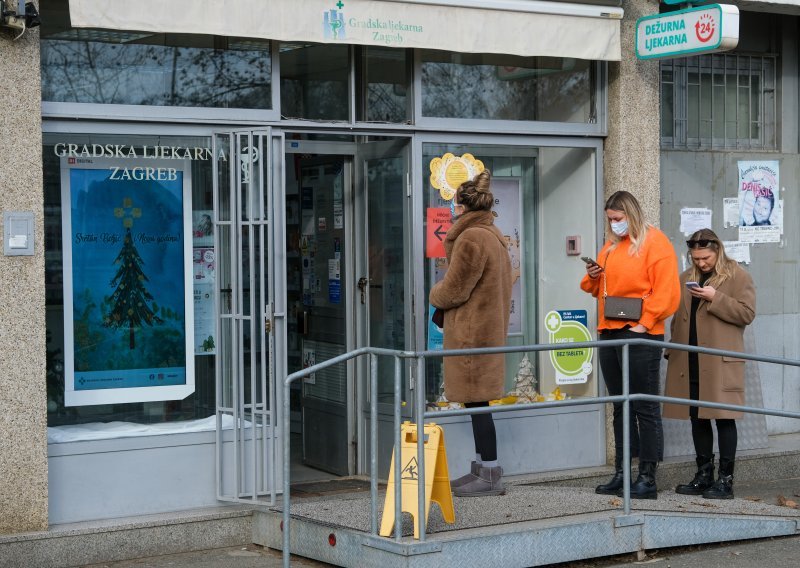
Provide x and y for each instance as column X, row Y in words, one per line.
column 484, row 433
column 703, row 435
column 647, row 434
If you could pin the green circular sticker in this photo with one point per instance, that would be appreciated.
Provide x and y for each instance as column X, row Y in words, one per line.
column 569, row 362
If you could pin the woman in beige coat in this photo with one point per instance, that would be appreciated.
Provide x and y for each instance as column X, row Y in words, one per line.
column 475, row 295
column 717, row 302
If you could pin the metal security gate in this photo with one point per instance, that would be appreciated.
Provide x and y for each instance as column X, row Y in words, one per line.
column 248, row 320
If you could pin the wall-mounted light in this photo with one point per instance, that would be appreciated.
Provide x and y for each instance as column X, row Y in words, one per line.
column 19, row 18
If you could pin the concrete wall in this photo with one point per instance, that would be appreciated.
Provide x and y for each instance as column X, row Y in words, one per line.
column 632, row 148
column 703, row 179
column 633, row 143
column 23, row 417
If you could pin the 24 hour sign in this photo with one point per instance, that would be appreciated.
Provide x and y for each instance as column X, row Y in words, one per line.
column 693, row 31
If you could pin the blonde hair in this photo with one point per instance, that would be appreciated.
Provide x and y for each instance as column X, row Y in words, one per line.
column 637, row 226
column 724, row 268
column 475, row 194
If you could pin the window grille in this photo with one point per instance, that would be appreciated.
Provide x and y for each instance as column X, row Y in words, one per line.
column 719, row 101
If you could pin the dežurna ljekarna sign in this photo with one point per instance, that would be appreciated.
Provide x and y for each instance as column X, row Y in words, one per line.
column 693, row 31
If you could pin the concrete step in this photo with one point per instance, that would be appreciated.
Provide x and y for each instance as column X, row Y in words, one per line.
column 78, row 544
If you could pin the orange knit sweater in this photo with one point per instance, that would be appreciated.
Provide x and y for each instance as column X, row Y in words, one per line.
column 652, row 275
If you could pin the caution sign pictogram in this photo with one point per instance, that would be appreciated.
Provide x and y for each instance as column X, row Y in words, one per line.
column 437, row 478
column 410, row 470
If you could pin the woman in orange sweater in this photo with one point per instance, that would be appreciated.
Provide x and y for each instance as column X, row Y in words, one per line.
column 637, row 261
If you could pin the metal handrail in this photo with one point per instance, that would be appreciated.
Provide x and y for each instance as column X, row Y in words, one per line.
column 419, row 411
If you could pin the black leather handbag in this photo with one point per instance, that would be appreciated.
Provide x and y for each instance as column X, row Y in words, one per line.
column 621, row 308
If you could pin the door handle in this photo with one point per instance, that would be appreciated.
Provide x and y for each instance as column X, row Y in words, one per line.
column 363, row 282
column 302, row 323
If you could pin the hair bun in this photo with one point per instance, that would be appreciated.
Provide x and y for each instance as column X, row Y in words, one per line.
column 483, row 181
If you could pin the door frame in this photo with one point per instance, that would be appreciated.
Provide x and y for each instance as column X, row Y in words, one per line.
column 356, row 263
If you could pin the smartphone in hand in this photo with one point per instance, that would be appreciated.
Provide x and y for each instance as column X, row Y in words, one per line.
column 588, row 260
column 691, row 284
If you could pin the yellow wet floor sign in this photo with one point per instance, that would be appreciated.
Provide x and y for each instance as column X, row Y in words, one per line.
column 437, row 478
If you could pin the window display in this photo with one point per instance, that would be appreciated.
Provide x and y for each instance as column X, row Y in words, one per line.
column 130, row 279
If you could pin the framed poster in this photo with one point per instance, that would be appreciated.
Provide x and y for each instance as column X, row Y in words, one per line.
column 128, row 306
column 508, row 208
column 508, row 218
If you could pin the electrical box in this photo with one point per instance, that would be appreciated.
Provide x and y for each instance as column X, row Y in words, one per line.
column 18, row 233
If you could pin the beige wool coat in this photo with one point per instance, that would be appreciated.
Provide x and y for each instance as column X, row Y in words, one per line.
column 476, row 296
column 720, row 325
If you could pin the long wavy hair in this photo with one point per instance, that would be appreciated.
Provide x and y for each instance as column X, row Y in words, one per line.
column 724, row 268
column 637, row 225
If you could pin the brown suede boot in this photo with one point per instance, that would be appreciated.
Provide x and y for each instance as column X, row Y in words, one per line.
column 488, row 481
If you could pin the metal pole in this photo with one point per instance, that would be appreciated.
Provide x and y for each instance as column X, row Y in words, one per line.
column 626, row 429
column 398, row 503
column 421, row 447
column 373, row 441
column 287, row 425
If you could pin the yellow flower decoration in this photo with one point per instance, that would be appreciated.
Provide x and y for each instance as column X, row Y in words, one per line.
column 450, row 171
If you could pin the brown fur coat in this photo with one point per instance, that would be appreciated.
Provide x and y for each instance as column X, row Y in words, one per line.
column 476, row 296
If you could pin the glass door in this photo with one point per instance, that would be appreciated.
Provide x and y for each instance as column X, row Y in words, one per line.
column 246, row 313
column 318, row 191
column 382, row 209
column 348, row 286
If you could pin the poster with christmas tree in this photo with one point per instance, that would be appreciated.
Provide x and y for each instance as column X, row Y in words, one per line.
column 127, row 253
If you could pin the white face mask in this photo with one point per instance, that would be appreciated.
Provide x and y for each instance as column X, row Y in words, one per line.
column 620, row 229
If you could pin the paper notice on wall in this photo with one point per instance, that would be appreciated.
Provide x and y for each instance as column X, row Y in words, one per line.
column 760, row 210
column 695, row 218
column 730, row 211
column 737, row 250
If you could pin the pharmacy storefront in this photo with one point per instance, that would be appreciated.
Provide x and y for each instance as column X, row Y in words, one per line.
column 233, row 194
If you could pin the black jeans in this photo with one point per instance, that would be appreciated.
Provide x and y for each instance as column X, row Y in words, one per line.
column 647, row 434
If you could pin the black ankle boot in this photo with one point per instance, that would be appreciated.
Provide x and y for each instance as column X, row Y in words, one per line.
column 615, row 483
column 645, row 485
column 723, row 487
column 703, row 479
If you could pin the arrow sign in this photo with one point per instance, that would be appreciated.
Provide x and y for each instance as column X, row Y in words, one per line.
column 438, row 223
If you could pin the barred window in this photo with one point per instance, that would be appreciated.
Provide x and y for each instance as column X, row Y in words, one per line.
column 719, row 101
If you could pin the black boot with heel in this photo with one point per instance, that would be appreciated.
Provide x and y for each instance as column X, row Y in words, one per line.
column 723, row 487
column 703, row 479
column 645, row 485
column 615, row 483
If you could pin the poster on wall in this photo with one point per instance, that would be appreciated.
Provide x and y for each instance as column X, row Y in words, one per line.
column 447, row 173
column 508, row 209
column 128, row 313
column 203, row 275
column 760, row 210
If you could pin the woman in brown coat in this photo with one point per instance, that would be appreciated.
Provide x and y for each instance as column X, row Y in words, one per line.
column 718, row 301
column 475, row 295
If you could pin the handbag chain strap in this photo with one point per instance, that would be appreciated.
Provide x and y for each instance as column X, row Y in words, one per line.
column 605, row 290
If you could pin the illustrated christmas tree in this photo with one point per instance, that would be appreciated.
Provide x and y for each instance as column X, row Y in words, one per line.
column 130, row 299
